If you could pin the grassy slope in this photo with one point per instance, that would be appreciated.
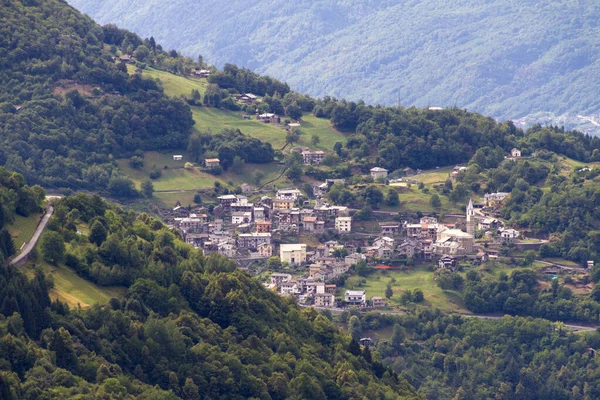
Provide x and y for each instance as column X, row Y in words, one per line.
column 175, row 178
column 408, row 280
column 22, row 229
column 73, row 289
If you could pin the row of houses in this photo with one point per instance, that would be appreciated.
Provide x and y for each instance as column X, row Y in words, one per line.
column 308, row 289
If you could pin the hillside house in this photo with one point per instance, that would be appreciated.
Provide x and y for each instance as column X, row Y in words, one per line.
column 509, row 235
column 288, row 194
column 355, row 297
column 313, row 157
column 269, row 118
column 277, row 279
column 407, row 248
column 238, row 218
column 495, row 199
column 263, row 226
column 212, row 162
column 283, row 204
column 378, row 172
column 126, row 58
column 294, row 254
column 324, row 300
column 343, row 224
column 408, row 171
column 289, row 287
column 177, row 157
column 389, row 228
column 447, row 262
column 246, row 188
column 226, row 201
column 247, row 98
column 201, row 73
column 226, row 249
column 265, row 250
column 515, row 152
column 377, row 301
column 253, row 240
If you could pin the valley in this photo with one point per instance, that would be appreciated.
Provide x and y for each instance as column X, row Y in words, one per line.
column 212, row 233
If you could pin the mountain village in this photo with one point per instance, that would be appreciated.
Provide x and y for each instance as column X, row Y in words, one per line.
column 261, row 229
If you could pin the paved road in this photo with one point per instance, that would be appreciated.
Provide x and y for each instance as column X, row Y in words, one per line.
column 572, row 327
column 21, row 258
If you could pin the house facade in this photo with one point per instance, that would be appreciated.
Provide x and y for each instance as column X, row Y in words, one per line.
column 379, row 172
column 294, row 254
column 355, row 297
column 343, row 224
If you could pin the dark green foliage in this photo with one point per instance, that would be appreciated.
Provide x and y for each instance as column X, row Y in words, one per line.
column 442, row 355
column 53, row 247
column 66, row 140
column 230, row 144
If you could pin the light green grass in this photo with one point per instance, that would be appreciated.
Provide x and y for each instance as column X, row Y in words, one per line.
column 216, row 120
column 434, row 176
column 177, row 178
column 74, row 290
column 328, row 135
column 174, row 177
column 174, row 85
column 22, row 229
column 562, row 261
column 409, row 280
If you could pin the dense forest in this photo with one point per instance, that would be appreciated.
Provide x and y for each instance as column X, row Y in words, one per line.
column 190, row 326
column 507, row 60
column 67, row 110
column 449, row 357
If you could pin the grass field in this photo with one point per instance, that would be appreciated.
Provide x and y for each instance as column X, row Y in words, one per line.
column 177, row 178
column 218, row 119
column 174, row 85
column 174, row 177
column 74, row 290
column 409, row 280
column 435, row 176
column 22, row 229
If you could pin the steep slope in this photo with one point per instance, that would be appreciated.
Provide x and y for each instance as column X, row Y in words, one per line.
column 191, row 325
column 505, row 59
column 66, row 108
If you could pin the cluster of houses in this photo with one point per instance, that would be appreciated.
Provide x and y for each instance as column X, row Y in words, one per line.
column 243, row 229
column 309, row 290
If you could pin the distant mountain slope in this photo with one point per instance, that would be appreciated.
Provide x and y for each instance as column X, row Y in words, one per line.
column 507, row 59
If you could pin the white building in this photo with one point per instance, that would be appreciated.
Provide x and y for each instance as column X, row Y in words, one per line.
column 355, row 297
column 343, row 224
column 177, row 157
column 276, row 279
column 294, row 254
column 379, row 172
column 509, row 235
column 288, row 194
column 324, row 300
column 515, row 152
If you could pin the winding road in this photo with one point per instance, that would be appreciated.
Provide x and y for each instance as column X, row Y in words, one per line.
column 30, row 245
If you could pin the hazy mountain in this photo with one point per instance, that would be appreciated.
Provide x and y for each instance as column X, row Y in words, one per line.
column 508, row 59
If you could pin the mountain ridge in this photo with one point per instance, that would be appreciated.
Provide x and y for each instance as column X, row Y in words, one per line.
column 507, row 60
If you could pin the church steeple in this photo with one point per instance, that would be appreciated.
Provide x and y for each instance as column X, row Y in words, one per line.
column 470, row 218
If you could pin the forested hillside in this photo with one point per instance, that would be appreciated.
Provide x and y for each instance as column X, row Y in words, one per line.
column 67, row 109
column 505, row 59
column 190, row 326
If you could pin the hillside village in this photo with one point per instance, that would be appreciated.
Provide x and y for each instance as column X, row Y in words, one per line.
column 266, row 229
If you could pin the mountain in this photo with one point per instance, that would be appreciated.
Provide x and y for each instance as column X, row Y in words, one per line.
column 67, row 110
column 510, row 59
